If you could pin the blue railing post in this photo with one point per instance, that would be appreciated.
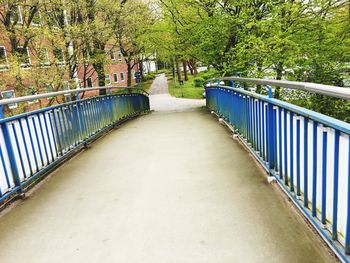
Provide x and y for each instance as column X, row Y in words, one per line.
column 270, row 138
column 2, row 111
column 347, row 229
column 11, row 156
column 270, row 91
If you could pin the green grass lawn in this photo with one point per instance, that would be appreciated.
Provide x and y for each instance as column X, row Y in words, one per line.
column 188, row 89
column 146, row 85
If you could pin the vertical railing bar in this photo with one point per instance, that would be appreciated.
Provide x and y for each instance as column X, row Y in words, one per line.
column 335, row 186
column 291, row 116
column 19, row 150
column 314, row 169
column 5, row 168
column 56, row 140
column 11, row 155
column 280, row 142
column 324, row 176
column 298, row 156
column 347, row 230
column 285, row 136
column 48, row 136
column 25, row 147
column 43, row 138
column 32, row 143
column 61, row 127
column 38, row 141
column 306, row 163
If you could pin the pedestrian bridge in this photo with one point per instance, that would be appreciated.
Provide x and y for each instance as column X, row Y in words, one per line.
column 174, row 185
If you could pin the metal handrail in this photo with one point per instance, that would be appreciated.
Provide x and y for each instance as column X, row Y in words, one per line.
column 63, row 92
column 328, row 90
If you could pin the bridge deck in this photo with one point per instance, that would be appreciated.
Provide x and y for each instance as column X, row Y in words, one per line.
column 167, row 187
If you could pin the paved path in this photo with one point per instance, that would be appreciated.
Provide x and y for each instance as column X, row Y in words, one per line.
column 162, row 101
column 170, row 187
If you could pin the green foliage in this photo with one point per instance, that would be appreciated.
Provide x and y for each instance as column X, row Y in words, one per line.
column 199, row 82
column 294, row 40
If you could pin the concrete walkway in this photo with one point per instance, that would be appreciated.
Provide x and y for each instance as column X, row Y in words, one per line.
column 170, row 187
column 163, row 102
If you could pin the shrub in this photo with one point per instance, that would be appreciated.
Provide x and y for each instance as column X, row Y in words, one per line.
column 209, row 74
column 147, row 77
column 199, row 82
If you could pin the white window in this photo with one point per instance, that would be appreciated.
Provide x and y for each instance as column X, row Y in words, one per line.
column 133, row 74
column 43, row 56
column 16, row 16
column 120, row 56
column 3, row 58
column 111, row 53
column 9, row 94
column 89, row 82
column 108, row 79
column 23, row 56
column 115, row 77
column 122, row 76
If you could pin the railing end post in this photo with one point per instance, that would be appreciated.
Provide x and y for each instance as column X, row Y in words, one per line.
column 2, row 111
column 270, row 92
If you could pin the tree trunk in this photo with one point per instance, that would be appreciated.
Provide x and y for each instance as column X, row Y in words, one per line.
column 178, row 70
column 279, row 72
column 259, row 87
column 99, row 67
column 184, row 63
column 129, row 73
column 173, row 68
column 141, row 68
column 190, row 66
column 195, row 71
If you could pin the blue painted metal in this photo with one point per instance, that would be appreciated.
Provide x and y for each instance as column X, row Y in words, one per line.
column 291, row 150
column 335, row 187
column 18, row 149
column 280, row 143
column 347, row 233
column 26, row 147
column 298, row 157
column 283, row 152
column 57, row 132
column 306, row 163
column 314, row 169
column 32, row 144
column 324, row 177
column 11, row 157
column 3, row 163
column 286, row 177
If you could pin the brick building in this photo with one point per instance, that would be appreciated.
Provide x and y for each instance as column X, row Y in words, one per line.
column 41, row 63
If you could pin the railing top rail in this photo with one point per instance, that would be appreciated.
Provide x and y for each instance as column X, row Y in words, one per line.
column 59, row 93
column 333, row 91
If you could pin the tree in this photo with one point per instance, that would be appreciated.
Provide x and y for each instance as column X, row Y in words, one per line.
column 132, row 22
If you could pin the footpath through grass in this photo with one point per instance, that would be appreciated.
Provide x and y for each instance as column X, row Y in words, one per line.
column 193, row 88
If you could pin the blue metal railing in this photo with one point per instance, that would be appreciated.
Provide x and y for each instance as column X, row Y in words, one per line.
column 31, row 144
column 306, row 152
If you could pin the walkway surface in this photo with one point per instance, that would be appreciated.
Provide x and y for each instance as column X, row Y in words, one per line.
column 161, row 100
column 169, row 187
